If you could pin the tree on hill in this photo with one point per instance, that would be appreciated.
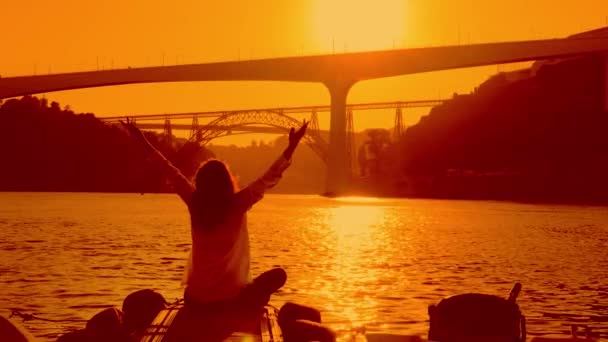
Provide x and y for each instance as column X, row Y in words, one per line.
column 46, row 148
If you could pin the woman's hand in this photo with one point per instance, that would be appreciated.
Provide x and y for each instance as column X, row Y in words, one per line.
column 294, row 139
column 296, row 136
column 131, row 128
column 135, row 132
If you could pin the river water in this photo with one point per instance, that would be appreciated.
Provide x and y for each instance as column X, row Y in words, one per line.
column 373, row 263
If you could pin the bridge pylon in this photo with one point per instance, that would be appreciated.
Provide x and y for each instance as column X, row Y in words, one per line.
column 314, row 122
column 168, row 131
column 338, row 172
column 398, row 129
column 195, row 131
column 350, row 141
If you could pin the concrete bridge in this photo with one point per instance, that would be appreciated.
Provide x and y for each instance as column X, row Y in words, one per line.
column 337, row 72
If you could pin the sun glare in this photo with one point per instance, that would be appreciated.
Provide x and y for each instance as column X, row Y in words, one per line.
column 357, row 25
column 359, row 240
column 358, row 199
column 356, row 221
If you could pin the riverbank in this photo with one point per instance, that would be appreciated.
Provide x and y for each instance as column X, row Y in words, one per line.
column 494, row 187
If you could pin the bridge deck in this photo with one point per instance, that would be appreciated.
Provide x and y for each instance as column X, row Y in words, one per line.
column 357, row 66
column 284, row 110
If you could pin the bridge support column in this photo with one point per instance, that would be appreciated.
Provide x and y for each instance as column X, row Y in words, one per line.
column 314, row 122
column 398, row 129
column 350, row 142
column 338, row 165
column 195, row 131
column 168, row 131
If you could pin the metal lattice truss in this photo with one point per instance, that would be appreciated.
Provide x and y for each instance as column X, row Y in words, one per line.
column 277, row 119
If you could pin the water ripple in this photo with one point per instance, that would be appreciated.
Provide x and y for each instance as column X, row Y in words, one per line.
column 374, row 264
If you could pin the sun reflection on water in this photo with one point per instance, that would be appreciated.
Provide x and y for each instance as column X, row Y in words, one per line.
column 358, row 199
column 354, row 223
column 356, row 233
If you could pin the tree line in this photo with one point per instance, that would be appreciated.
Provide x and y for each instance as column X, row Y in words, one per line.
column 48, row 148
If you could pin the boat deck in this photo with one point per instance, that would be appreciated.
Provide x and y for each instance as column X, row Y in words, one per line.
column 177, row 323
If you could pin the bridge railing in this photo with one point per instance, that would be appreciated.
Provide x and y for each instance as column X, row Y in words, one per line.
column 284, row 110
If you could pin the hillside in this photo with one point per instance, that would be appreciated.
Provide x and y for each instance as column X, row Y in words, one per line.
column 541, row 137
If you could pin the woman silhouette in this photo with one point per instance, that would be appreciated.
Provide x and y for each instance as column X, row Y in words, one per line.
column 218, row 267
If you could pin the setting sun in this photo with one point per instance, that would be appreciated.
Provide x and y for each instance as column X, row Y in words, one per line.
column 360, row 24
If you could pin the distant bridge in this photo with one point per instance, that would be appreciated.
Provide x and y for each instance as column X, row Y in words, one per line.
column 241, row 121
column 284, row 110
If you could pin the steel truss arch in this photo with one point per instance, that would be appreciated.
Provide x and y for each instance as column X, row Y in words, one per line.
column 277, row 119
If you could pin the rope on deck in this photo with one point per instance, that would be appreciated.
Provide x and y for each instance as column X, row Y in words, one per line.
column 30, row 317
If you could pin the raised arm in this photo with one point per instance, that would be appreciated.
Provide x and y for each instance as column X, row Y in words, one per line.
column 255, row 191
column 183, row 186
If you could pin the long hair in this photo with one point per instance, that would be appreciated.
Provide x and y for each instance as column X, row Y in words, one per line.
column 215, row 188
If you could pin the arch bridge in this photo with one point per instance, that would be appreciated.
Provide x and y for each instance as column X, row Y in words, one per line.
column 277, row 121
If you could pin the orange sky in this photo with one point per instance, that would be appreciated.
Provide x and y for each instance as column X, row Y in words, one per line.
column 41, row 36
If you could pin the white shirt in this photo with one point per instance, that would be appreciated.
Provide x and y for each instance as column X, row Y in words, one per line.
column 218, row 265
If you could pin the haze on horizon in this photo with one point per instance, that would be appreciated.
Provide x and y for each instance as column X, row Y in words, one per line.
column 68, row 35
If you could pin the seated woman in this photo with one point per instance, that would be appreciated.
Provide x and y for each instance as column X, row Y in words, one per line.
column 218, row 267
